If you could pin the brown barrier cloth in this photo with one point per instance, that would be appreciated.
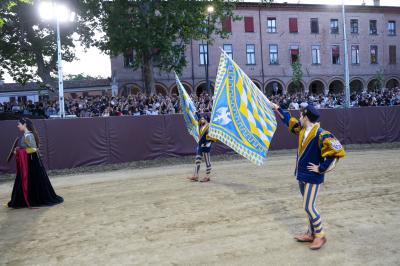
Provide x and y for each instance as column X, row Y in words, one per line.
column 8, row 133
column 40, row 126
column 135, row 138
column 283, row 138
column 70, row 143
column 178, row 141
column 392, row 124
column 365, row 126
column 334, row 123
column 76, row 142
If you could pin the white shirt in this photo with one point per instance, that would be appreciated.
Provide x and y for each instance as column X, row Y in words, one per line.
column 308, row 129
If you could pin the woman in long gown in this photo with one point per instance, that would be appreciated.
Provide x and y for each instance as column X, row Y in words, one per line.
column 32, row 187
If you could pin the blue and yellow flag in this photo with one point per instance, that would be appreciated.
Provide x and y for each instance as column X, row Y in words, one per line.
column 242, row 116
column 188, row 109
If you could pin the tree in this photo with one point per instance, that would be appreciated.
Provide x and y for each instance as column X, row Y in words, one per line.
column 379, row 80
column 28, row 49
column 155, row 32
column 297, row 73
column 6, row 5
column 82, row 76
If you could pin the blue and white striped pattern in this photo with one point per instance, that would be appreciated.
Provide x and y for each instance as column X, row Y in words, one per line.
column 242, row 116
column 188, row 109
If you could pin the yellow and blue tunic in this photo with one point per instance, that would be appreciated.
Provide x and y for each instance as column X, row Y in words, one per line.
column 203, row 149
column 205, row 140
column 320, row 147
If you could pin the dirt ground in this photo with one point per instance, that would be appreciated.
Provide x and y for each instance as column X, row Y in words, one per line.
column 247, row 215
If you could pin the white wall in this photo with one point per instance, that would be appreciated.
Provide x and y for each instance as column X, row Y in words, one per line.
column 4, row 99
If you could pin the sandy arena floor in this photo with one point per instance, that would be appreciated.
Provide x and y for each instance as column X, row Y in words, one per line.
column 246, row 216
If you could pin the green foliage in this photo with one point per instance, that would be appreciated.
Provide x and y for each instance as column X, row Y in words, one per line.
column 157, row 31
column 7, row 5
column 297, row 73
column 28, row 49
column 155, row 28
column 379, row 79
column 82, row 76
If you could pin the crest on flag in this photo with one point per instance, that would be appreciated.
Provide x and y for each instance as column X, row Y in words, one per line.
column 242, row 117
column 188, row 109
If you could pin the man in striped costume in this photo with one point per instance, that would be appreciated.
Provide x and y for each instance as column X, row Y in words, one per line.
column 203, row 150
column 318, row 152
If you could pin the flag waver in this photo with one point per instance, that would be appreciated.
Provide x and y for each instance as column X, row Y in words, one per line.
column 242, row 116
column 188, row 109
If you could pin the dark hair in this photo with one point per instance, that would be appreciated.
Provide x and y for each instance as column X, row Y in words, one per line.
column 206, row 117
column 31, row 128
column 313, row 118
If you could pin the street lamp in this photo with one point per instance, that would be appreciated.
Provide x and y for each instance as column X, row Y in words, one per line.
column 210, row 10
column 346, row 61
column 49, row 11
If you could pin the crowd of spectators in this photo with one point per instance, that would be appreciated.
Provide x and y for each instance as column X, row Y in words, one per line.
column 383, row 97
column 140, row 104
column 132, row 105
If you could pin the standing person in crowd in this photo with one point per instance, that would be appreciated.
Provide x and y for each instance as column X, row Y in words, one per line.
column 203, row 149
column 318, row 152
column 32, row 187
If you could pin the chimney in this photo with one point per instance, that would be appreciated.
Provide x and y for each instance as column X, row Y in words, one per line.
column 377, row 2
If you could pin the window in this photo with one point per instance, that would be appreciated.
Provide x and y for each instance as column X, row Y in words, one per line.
column 273, row 54
column 314, row 26
column 128, row 58
column 294, row 53
column 392, row 28
column 227, row 24
column 372, row 27
column 355, row 54
column 248, row 24
column 293, row 25
column 271, row 24
column 374, row 54
column 335, row 55
column 228, row 50
column 203, row 50
column 354, row 26
column 251, row 54
column 315, row 54
column 334, row 26
column 392, row 54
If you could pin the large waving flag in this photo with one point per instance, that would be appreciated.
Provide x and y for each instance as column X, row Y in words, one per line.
column 242, row 116
column 188, row 109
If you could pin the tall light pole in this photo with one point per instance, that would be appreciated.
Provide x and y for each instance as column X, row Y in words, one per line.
column 346, row 61
column 60, row 73
column 51, row 10
column 210, row 10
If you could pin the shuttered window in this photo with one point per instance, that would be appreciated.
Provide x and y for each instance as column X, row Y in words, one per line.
column 293, row 25
column 248, row 24
column 227, row 24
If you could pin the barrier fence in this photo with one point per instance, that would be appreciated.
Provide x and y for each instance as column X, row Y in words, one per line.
column 71, row 143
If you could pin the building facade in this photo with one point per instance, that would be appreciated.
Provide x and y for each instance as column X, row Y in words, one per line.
column 33, row 91
column 268, row 39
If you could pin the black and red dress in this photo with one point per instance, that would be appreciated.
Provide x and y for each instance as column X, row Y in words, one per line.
column 32, row 187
